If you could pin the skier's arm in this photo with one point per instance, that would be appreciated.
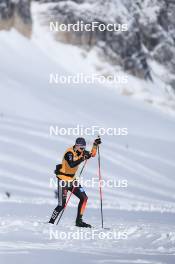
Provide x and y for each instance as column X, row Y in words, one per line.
column 94, row 147
column 93, row 151
column 72, row 163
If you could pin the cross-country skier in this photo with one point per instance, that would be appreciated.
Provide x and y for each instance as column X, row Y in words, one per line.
column 65, row 173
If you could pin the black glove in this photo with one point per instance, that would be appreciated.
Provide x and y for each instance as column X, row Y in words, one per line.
column 87, row 155
column 97, row 141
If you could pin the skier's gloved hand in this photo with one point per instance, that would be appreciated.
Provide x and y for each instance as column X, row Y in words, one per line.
column 97, row 141
column 87, row 155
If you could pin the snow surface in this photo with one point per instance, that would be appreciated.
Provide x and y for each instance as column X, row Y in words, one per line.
column 29, row 105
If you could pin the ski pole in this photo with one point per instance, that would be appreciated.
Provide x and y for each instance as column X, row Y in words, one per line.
column 100, row 187
column 71, row 193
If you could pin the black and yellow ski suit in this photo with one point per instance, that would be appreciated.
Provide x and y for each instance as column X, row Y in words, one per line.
column 67, row 178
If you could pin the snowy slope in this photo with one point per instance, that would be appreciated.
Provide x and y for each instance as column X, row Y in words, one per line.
column 89, row 62
column 145, row 158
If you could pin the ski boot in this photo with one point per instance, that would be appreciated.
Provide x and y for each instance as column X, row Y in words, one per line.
column 80, row 223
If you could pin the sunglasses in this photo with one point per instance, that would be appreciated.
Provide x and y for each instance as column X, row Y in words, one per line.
column 82, row 148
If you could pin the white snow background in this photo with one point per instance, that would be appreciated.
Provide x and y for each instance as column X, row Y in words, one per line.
column 29, row 105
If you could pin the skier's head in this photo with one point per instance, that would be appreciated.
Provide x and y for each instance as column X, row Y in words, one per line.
column 80, row 144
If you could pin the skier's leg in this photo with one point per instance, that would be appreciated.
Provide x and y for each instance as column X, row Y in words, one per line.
column 80, row 193
column 62, row 194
